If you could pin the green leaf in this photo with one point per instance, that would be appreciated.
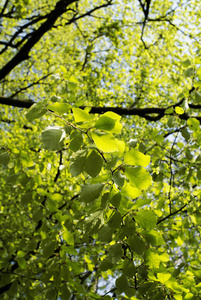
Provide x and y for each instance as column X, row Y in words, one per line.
column 152, row 258
column 136, row 244
column 116, row 200
column 179, row 110
column 22, row 262
column 136, row 158
column 118, row 178
column 37, row 110
column 105, row 234
column 129, row 268
column 146, row 219
column 48, row 249
column 186, row 63
column 4, row 158
column 93, row 222
column 90, row 192
column 76, row 140
column 53, row 138
column 138, row 177
column 193, row 124
column 68, row 236
column 93, row 164
column 65, row 293
column 56, row 197
column 197, row 97
column 115, row 253
column 185, row 134
column 171, row 122
column 59, row 108
column 105, row 141
column 77, row 164
column 109, row 122
column 169, row 111
column 118, row 126
column 105, row 123
column 122, row 284
column 163, row 277
column 189, row 72
column 51, row 294
column 106, row 264
column 130, row 191
column 115, row 220
column 197, row 84
column 81, row 115
column 154, row 237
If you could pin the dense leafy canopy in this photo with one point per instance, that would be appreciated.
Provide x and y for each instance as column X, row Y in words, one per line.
column 99, row 149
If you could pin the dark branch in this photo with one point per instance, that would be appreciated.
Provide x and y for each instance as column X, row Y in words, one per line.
column 23, row 53
column 172, row 214
column 150, row 114
column 16, row 102
column 5, row 288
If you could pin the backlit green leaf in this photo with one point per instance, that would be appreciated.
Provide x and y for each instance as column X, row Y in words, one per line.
column 68, row 236
column 138, row 177
column 130, row 191
column 105, row 123
column 179, row 110
column 105, row 234
column 116, row 200
column 105, row 141
column 59, row 108
column 163, row 277
column 136, row 158
column 81, row 115
column 146, row 219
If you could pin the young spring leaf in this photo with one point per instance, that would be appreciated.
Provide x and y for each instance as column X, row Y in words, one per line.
column 105, row 123
column 59, row 108
column 146, row 219
column 130, row 191
column 115, row 220
column 122, row 284
column 136, row 244
column 81, row 115
column 37, row 110
column 90, row 192
column 93, row 164
column 77, row 164
column 136, row 158
column 53, row 138
column 105, row 141
column 138, row 177
column 76, row 140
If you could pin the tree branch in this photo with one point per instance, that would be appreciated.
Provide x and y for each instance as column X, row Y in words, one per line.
column 172, row 214
column 16, row 102
column 23, row 53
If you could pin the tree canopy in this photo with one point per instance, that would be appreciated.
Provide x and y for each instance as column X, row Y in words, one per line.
column 100, row 149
